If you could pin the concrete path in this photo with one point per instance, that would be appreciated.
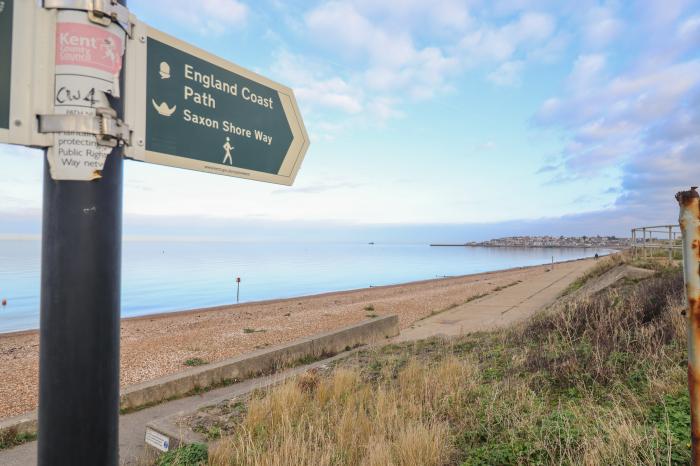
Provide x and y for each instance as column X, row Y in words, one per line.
column 501, row 308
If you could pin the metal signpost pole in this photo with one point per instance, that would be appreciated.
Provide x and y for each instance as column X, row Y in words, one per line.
column 80, row 306
column 689, row 219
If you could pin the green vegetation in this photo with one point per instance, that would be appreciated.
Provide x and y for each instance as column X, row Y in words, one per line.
column 369, row 308
column 605, row 265
column 503, row 287
column 662, row 253
column 252, row 330
column 195, row 362
column 599, row 381
column 371, row 315
column 11, row 438
column 194, row 454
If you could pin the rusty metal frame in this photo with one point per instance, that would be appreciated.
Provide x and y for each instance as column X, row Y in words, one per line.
column 689, row 220
column 657, row 237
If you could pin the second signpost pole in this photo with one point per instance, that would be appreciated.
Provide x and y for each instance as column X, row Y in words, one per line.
column 80, row 315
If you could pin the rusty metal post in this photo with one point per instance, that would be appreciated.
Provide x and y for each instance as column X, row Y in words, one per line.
column 689, row 220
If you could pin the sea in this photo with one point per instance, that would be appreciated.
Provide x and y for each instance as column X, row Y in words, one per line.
column 171, row 276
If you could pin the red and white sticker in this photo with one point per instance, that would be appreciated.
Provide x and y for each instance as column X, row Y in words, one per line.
column 89, row 45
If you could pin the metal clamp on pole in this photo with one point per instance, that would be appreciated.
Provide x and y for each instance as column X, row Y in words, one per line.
column 110, row 130
column 104, row 12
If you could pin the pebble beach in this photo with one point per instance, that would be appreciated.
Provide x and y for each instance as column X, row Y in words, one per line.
column 157, row 345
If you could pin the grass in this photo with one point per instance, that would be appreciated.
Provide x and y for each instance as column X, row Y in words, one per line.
column 194, row 454
column 11, row 438
column 661, row 253
column 192, row 362
column 252, row 330
column 600, row 381
column 603, row 266
column 503, row 287
column 369, row 308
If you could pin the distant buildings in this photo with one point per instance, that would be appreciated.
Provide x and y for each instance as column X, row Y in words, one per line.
column 610, row 242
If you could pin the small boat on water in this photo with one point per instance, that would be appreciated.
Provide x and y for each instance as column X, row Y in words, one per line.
column 371, row 243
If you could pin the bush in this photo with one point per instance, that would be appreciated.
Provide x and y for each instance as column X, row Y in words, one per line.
column 672, row 419
column 194, row 454
column 605, row 337
column 195, row 362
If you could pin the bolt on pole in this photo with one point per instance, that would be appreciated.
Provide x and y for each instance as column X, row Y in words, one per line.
column 689, row 220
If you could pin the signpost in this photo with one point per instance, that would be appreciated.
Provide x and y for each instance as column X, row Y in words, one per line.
column 191, row 109
column 5, row 61
column 26, row 71
column 63, row 88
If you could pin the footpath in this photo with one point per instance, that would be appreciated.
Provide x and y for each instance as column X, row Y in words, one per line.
column 500, row 308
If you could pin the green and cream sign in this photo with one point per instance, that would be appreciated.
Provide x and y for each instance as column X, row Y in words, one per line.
column 197, row 111
column 5, row 61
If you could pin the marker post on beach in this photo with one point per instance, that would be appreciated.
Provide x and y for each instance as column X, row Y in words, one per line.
column 63, row 89
column 238, row 288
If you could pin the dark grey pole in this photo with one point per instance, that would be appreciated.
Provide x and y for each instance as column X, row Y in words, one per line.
column 80, row 306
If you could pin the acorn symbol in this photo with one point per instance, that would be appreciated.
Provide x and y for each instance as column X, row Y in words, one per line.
column 164, row 70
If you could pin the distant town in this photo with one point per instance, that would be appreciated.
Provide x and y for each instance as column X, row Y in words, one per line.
column 611, row 242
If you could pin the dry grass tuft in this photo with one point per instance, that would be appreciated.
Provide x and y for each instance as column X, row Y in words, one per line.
column 343, row 420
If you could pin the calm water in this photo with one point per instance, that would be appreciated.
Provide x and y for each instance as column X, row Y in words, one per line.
column 172, row 276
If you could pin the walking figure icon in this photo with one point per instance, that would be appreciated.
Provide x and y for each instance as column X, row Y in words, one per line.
column 228, row 147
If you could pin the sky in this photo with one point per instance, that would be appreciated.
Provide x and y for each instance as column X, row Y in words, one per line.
column 445, row 120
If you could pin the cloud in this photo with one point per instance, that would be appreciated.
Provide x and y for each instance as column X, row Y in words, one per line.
column 421, row 76
column 385, row 108
column 636, row 97
column 659, row 15
column 436, row 14
column 600, row 27
column 207, row 17
column 501, row 43
column 486, row 146
column 587, row 71
column 690, row 26
column 316, row 86
column 639, row 125
column 507, row 74
column 379, row 41
column 689, row 32
column 393, row 62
